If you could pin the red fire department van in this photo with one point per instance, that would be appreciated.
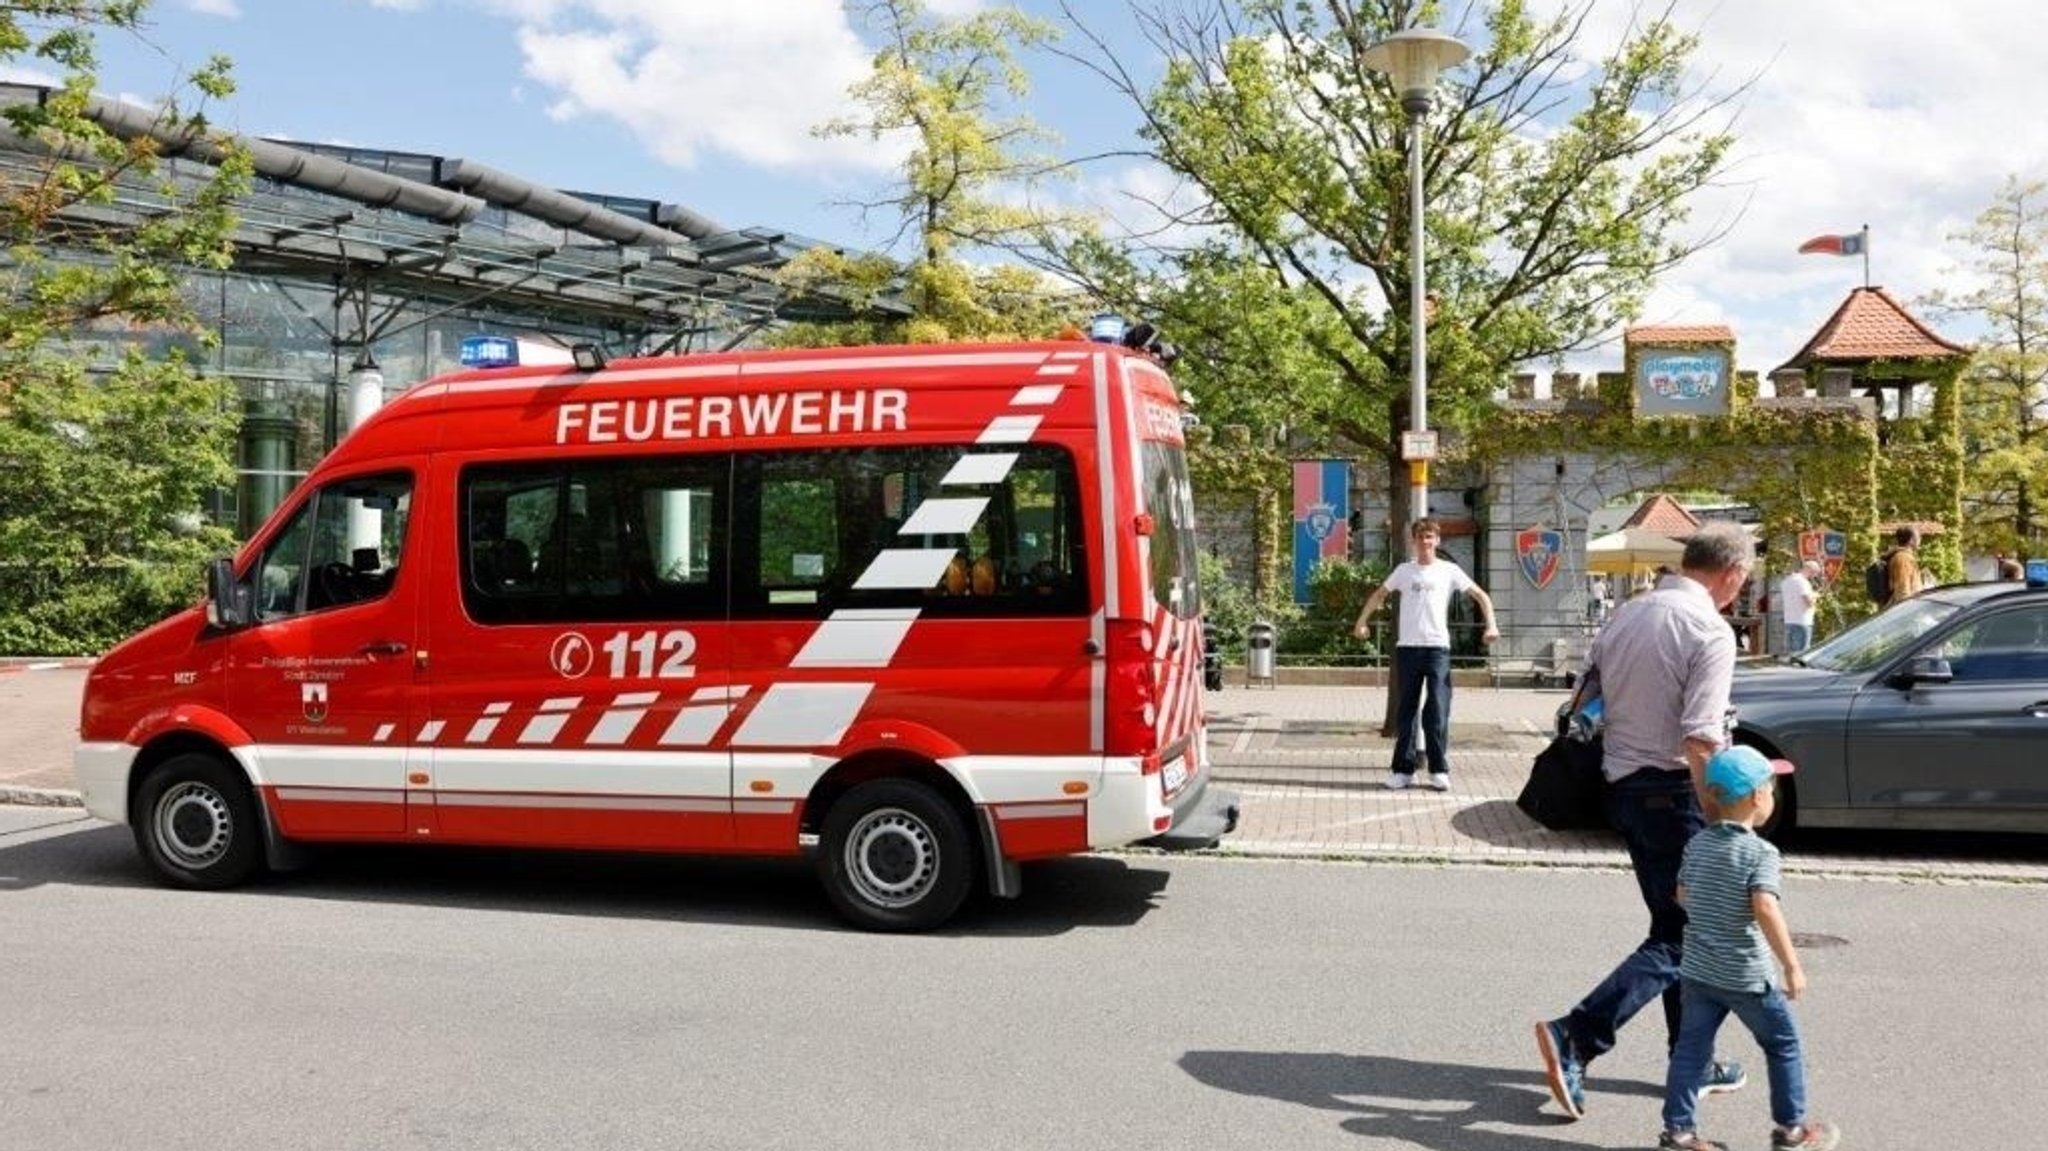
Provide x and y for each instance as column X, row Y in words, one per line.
column 931, row 611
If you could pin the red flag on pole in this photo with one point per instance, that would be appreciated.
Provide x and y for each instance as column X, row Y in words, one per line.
column 1850, row 244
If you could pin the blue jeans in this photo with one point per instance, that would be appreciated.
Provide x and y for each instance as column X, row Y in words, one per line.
column 1417, row 669
column 1656, row 811
column 1798, row 636
column 1768, row 1015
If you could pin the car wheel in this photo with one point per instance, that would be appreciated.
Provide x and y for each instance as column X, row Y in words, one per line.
column 895, row 856
column 195, row 822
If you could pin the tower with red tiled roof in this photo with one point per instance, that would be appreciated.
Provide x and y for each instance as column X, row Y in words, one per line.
column 1873, row 348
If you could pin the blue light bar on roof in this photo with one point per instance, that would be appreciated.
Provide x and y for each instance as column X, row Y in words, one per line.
column 490, row 352
column 1107, row 328
column 2037, row 573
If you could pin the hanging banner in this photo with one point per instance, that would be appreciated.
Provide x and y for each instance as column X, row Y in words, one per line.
column 1322, row 517
column 1538, row 551
column 1827, row 547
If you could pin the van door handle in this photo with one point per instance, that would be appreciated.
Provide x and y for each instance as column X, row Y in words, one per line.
column 1090, row 647
column 381, row 647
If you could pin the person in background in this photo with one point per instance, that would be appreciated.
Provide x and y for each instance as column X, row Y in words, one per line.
column 1797, row 599
column 1599, row 599
column 1422, row 650
column 1902, row 564
column 2009, row 568
column 1665, row 665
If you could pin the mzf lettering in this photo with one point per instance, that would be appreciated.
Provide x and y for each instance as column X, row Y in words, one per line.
column 750, row 416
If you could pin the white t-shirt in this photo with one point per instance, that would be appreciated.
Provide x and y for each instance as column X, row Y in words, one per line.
column 1426, row 591
column 1796, row 600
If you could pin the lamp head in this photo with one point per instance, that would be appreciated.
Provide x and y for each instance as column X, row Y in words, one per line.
column 1413, row 59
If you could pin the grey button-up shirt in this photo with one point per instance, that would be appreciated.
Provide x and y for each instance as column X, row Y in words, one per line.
column 1665, row 663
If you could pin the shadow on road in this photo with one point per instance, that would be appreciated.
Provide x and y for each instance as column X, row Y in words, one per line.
column 1059, row 895
column 1443, row 1106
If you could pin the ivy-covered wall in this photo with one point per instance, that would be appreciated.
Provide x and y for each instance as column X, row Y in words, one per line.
column 1822, row 458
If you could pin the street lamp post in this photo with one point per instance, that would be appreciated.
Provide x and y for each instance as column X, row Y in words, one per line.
column 1413, row 59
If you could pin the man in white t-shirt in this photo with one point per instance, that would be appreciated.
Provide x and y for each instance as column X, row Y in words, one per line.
column 1797, row 600
column 1422, row 650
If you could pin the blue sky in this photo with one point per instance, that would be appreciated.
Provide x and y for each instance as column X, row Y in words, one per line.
column 1864, row 111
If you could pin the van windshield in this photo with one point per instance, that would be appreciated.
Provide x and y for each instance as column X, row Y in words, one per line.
column 1170, row 500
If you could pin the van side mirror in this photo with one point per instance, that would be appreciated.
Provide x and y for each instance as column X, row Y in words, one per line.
column 227, row 599
column 1923, row 669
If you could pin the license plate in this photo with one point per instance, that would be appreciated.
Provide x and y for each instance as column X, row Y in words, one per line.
column 1176, row 776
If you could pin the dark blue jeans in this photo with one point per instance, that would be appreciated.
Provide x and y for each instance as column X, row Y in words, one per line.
column 1417, row 669
column 1768, row 1015
column 1656, row 811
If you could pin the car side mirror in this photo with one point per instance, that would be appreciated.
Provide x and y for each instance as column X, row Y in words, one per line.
column 227, row 599
column 1923, row 669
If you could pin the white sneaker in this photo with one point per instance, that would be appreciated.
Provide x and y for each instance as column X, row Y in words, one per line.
column 1401, row 781
column 1439, row 781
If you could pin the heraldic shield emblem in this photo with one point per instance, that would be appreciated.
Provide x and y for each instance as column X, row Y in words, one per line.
column 1538, row 551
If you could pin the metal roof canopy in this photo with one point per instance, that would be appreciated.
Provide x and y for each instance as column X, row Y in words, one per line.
column 526, row 250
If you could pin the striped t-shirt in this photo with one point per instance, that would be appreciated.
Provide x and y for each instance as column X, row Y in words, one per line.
column 1724, row 947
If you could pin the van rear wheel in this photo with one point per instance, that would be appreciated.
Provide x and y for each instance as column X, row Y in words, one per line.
column 895, row 856
column 195, row 822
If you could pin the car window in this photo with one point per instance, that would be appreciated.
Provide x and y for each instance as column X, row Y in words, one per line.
column 1876, row 640
column 2006, row 645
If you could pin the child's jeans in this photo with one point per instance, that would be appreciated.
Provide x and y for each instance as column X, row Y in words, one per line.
column 1768, row 1015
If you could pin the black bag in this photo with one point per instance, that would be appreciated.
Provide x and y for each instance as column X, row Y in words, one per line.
column 1566, row 791
column 1877, row 580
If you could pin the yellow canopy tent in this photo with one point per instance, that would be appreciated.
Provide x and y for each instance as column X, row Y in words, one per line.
column 1631, row 550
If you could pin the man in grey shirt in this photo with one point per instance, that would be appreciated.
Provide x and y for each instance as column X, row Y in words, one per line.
column 1663, row 668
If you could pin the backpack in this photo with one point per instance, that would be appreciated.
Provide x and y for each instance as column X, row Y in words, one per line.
column 1877, row 580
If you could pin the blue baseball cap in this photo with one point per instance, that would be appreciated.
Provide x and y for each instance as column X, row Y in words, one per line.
column 1735, row 772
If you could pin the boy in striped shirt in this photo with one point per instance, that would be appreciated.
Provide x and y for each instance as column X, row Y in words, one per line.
column 1728, row 883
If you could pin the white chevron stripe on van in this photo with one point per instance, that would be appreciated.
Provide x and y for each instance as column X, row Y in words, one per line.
column 1010, row 430
column 554, row 713
column 802, row 715
column 945, row 516
column 905, row 568
column 430, row 731
column 616, row 726
column 984, row 468
column 481, row 730
column 857, row 638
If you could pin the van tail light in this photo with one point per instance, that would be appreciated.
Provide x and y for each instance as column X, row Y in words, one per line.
column 1133, row 703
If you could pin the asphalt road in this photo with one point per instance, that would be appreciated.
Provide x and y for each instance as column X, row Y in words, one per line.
column 453, row 999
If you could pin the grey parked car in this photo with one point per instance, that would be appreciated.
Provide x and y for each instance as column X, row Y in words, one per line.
column 1932, row 714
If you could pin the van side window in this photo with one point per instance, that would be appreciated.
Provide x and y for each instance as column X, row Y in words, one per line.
column 341, row 547
column 951, row 530
column 594, row 540
column 1170, row 500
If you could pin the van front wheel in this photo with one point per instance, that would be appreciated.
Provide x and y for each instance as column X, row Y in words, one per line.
column 195, row 822
column 895, row 856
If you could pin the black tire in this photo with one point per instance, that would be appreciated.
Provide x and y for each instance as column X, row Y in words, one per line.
column 895, row 856
column 196, row 823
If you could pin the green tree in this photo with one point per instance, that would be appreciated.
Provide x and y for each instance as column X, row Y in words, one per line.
column 105, row 456
column 943, row 84
column 1556, row 190
column 2005, row 388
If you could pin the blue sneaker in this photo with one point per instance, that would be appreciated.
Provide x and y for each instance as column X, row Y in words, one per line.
column 1724, row 1076
column 1562, row 1070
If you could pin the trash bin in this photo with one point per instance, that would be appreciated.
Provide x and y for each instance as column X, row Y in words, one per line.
column 1258, row 656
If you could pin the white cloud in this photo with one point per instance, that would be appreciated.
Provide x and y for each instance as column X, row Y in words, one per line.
column 398, row 5
column 224, row 8
column 695, row 80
